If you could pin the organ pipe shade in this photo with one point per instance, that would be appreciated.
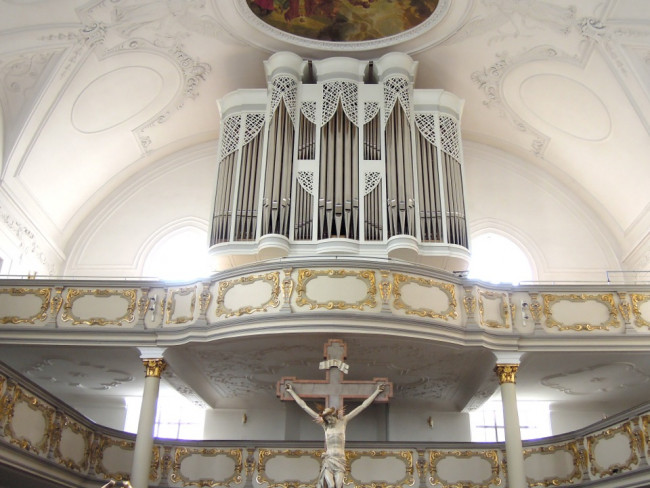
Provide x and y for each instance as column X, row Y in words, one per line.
column 352, row 155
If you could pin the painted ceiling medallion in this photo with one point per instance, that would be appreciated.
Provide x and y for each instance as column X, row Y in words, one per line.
column 343, row 20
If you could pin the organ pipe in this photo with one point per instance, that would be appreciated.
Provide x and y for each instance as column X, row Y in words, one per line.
column 319, row 162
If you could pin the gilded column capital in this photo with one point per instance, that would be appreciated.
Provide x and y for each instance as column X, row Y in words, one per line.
column 154, row 367
column 506, row 372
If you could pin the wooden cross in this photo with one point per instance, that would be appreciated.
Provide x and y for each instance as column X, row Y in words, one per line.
column 334, row 388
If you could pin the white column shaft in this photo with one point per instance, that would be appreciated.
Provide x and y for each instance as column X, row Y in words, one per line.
column 144, row 440
column 514, row 448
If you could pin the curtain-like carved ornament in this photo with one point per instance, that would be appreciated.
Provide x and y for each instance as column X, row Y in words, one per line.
column 348, row 93
column 284, row 88
column 229, row 136
column 396, row 88
column 449, row 136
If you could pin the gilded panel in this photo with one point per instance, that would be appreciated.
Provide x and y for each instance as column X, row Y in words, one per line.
column 272, row 279
column 184, row 453
column 400, row 280
column 77, row 295
column 614, row 468
column 102, row 445
column 40, row 305
column 13, row 402
column 404, row 456
column 578, row 463
column 68, row 425
column 638, row 300
column 606, row 299
column 173, row 304
column 365, row 276
column 500, row 300
column 265, row 455
column 491, row 457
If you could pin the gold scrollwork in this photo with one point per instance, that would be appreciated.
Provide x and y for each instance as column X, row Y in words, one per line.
column 65, row 423
column 405, row 456
column 155, row 465
column 103, row 443
column 448, row 289
column 287, row 285
column 36, row 405
column 491, row 457
column 154, row 367
column 306, row 275
column 573, row 449
column 535, row 308
column 171, row 305
column 639, row 299
column 264, row 455
column 184, row 452
column 506, row 373
column 274, row 300
column 616, row 468
column 503, row 309
column 606, row 299
column 74, row 294
column 43, row 294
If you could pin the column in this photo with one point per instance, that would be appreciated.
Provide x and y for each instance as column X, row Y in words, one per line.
column 514, row 449
column 154, row 366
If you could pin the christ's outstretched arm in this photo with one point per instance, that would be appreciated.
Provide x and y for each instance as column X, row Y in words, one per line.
column 381, row 387
column 300, row 401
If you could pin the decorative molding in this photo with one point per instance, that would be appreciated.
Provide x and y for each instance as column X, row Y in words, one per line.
column 307, row 275
column 17, row 397
column 273, row 279
column 42, row 294
column 579, row 464
column 639, row 299
column 183, row 453
column 504, row 310
column 405, row 456
column 26, row 239
column 74, row 294
column 399, row 280
column 606, row 299
column 65, row 423
column 491, row 457
column 264, row 455
column 172, row 304
column 593, row 440
column 101, row 444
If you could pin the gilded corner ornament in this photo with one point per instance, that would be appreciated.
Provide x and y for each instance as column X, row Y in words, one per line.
column 154, row 367
column 506, row 372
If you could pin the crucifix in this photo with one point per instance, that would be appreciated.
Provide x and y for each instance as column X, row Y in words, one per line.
column 334, row 388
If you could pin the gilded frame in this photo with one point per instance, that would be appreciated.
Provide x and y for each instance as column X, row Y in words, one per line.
column 183, row 452
column 490, row 456
column 606, row 299
column 265, row 454
column 578, row 463
column 104, row 443
column 74, row 294
column 637, row 300
column 44, row 294
column 87, row 435
column 36, row 405
column 306, row 275
column 492, row 295
column 593, row 440
column 405, row 456
column 171, row 305
column 225, row 286
column 447, row 288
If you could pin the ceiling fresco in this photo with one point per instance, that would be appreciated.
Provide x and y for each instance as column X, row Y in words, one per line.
column 343, row 20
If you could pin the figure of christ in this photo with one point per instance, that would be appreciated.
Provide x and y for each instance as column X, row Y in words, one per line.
column 332, row 469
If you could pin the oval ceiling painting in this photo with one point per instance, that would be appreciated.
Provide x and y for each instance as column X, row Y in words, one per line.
column 343, row 20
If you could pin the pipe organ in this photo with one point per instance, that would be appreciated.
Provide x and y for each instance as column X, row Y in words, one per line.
column 341, row 156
